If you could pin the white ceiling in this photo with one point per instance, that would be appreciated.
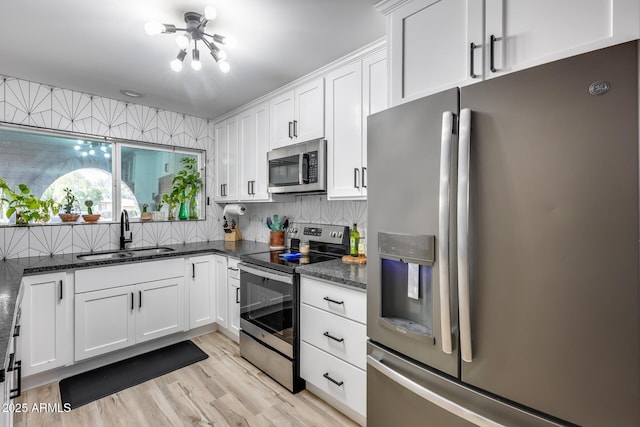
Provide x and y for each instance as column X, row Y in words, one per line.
column 100, row 47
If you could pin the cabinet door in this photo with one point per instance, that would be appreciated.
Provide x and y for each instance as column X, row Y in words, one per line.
column 309, row 111
column 282, row 112
column 231, row 191
column 45, row 323
column 430, row 47
column 344, row 132
column 104, row 321
column 234, row 306
column 247, row 145
column 159, row 309
column 375, row 98
column 221, row 154
column 221, row 290
column 201, row 287
column 532, row 32
column 261, row 180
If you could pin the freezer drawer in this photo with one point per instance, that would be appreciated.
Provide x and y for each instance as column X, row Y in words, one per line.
column 403, row 393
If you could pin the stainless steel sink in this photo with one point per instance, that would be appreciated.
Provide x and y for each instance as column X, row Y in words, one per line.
column 106, row 255
column 150, row 251
column 129, row 253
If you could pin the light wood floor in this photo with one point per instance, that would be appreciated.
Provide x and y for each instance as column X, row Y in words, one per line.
column 223, row 390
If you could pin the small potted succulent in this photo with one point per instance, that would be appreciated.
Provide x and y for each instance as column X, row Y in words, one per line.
column 145, row 216
column 90, row 216
column 67, row 206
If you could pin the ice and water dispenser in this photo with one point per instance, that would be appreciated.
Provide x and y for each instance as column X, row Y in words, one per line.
column 406, row 284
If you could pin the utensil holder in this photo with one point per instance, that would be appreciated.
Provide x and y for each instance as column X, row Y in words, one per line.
column 276, row 240
column 233, row 235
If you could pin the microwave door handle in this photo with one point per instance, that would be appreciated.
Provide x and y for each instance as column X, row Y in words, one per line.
column 300, row 166
column 463, row 235
column 443, row 220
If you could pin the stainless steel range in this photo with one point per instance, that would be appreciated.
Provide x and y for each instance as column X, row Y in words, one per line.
column 269, row 300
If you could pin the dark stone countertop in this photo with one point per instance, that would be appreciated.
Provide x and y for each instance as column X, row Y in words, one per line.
column 352, row 275
column 12, row 270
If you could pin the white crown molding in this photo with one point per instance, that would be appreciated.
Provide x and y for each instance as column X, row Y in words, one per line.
column 387, row 6
column 356, row 55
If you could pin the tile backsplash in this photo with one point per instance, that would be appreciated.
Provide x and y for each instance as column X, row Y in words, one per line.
column 315, row 209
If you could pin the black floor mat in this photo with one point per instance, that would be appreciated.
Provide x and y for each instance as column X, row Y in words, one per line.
column 84, row 388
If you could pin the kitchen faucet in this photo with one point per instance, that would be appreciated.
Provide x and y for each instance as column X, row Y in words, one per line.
column 124, row 226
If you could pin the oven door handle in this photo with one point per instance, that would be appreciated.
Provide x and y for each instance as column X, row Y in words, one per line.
column 269, row 274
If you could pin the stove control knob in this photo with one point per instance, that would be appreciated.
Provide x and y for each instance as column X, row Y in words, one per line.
column 340, row 235
column 332, row 234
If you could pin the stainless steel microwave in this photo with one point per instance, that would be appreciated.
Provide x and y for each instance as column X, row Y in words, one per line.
column 298, row 168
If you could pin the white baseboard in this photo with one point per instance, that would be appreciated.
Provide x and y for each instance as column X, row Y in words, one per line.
column 355, row 416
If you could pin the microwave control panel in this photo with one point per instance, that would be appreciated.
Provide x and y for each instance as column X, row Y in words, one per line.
column 312, row 167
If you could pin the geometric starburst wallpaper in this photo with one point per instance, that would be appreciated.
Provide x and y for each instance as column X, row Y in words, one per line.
column 45, row 107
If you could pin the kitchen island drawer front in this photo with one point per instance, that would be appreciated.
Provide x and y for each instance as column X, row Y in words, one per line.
column 336, row 335
column 335, row 299
column 340, row 380
column 127, row 274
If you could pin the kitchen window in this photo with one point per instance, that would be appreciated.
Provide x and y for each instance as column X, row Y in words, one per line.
column 93, row 168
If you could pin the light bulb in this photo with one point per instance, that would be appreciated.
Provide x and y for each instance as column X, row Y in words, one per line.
column 85, row 154
column 153, row 28
column 182, row 40
column 92, row 152
column 224, row 66
column 196, row 65
column 176, row 65
column 79, row 141
column 107, row 155
column 76, row 147
column 222, row 54
column 103, row 149
column 210, row 13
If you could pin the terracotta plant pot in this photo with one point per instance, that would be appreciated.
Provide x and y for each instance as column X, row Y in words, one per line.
column 91, row 218
column 146, row 216
column 71, row 217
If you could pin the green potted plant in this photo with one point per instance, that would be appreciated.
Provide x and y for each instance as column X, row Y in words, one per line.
column 90, row 216
column 145, row 216
column 26, row 206
column 67, row 206
column 172, row 200
column 187, row 182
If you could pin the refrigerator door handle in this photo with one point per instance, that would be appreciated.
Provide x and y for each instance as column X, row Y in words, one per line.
column 428, row 395
column 443, row 230
column 464, row 311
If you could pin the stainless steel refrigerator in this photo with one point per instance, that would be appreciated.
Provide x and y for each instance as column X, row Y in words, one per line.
column 503, row 247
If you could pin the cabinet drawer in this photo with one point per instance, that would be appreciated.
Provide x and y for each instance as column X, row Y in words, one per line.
column 335, row 299
column 95, row 279
column 341, row 337
column 232, row 267
column 317, row 367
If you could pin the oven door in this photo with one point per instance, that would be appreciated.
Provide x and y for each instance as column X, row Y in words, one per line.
column 268, row 306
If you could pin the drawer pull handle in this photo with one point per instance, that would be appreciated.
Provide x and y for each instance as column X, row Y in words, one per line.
column 338, row 383
column 233, row 269
column 333, row 301
column 328, row 335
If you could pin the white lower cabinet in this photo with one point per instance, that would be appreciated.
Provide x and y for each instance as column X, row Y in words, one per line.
column 222, row 310
column 233, row 296
column 200, row 279
column 46, row 322
column 333, row 343
column 116, row 307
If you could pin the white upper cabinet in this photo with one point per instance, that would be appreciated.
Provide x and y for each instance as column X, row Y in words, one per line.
column 226, row 159
column 298, row 115
column 353, row 91
column 531, row 32
column 429, row 46
column 435, row 45
column 253, row 139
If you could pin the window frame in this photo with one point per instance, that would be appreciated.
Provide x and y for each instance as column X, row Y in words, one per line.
column 116, row 166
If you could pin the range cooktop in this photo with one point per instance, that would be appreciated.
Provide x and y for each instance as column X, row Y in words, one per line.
column 274, row 260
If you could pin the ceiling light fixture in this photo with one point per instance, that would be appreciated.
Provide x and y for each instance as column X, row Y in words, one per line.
column 195, row 31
